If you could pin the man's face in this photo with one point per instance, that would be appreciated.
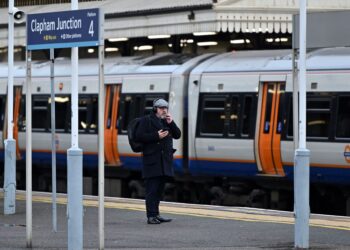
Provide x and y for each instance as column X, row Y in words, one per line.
column 162, row 112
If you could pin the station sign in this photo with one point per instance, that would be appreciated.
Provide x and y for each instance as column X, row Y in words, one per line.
column 65, row 29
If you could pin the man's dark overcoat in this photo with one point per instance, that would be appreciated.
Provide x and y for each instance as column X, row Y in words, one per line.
column 157, row 153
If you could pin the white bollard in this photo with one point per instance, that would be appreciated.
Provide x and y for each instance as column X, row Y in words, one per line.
column 10, row 180
column 301, row 197
column 75, row 199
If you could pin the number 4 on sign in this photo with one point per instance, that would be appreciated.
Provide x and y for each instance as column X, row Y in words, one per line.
column 91, row 28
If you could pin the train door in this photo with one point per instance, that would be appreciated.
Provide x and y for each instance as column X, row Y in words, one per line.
column 270, row 127
column 110, row 123
column 16, row 112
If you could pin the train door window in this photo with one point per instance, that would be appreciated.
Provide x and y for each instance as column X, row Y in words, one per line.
column 247, row 115
column 40, row 112
column 318, row 117
column 63, row 113
column 213, row 116
column 233, row 115
column 281, row 110
column 343, row 117
column 269, row 101
column 110, row 107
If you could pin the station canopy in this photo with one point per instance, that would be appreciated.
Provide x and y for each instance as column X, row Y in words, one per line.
column 140, row 18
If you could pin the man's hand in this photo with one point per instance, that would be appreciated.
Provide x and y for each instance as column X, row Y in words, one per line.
column 168, row 118
column 162, row 133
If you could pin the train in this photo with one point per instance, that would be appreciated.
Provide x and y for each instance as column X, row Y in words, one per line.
column 235, row 111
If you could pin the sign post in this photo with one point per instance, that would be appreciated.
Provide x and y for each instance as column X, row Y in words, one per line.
column 10, row 143
column 302, row 154
column 72, row 29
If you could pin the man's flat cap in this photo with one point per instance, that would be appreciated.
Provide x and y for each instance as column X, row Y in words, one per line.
column 161, row 103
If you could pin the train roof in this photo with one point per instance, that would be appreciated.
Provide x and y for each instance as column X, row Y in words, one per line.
column 275, row 60
column 159, row 63
column 237, row 61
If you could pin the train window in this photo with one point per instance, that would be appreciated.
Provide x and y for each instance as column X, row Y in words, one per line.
column 63, row 112
column 318, row 117
column 83, row 113
column 135, row 105
column 40, row 112
column 290, row 118
column 2, row 111
column 233, row 116
column 213, row 116
column 22, row 114
column 148, row 105
column 247, row 113
column 343, row 117
column 93, row 115
column 131, row 109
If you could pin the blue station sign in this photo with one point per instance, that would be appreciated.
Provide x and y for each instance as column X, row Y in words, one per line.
column 65, row 29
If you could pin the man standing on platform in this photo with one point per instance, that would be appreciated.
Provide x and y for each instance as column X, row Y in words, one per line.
column 156, row 131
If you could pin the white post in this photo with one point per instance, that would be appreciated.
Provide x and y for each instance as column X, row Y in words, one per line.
column 295, row 101
column 53, row 139
column 302, row 155
column 101, row 166
column 75, row 162
column 10, row 143
column 29, row 151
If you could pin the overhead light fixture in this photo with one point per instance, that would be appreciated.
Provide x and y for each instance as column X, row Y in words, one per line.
column 143, row 47
column 189, row 41
column 90, row 51
column 204, row 33
column 111, row 49
column 207, row 43
column 284, row 39
column 118, row 39
column 240, row 41
column 158, row 36
column 170, row 45
column 269, row 40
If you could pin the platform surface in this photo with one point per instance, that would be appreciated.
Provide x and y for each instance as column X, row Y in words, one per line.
column 193, row 226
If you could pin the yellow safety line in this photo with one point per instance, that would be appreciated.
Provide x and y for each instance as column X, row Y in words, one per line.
column 202, row 212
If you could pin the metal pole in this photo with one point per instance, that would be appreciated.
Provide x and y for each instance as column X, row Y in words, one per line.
column 295, row 100
column 75, row 162
column 302, row 155
column 29, row 150
column 53, row 139
column 101, row 166
column 10, row 143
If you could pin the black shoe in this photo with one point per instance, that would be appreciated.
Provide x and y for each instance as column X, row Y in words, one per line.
column 161, row 219
column 153, row 220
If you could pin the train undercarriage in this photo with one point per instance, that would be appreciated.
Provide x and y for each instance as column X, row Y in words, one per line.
column 267, row 193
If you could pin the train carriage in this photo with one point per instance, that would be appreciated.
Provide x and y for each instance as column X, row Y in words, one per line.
column 235, row 110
